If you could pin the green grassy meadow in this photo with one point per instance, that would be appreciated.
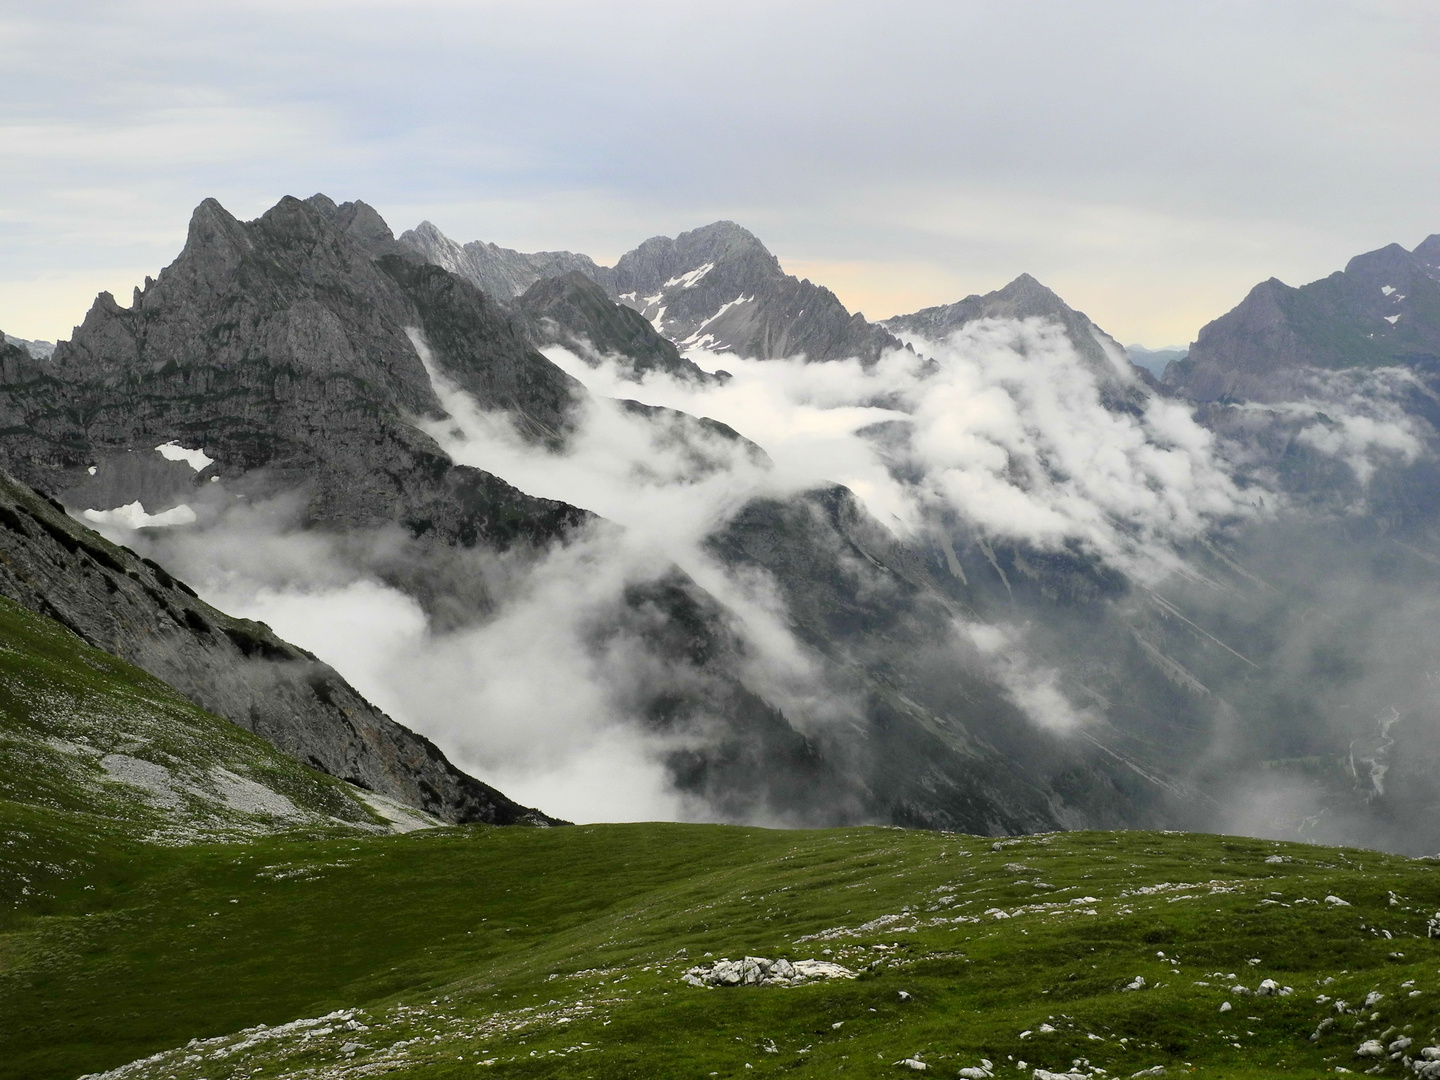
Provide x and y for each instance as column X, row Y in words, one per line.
column 131, row 943
column 523, row 952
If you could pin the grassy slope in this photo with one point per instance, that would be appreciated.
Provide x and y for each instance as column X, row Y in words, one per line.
column 559, row 952
column 480, row 942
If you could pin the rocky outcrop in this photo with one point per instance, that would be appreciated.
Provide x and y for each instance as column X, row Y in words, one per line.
column 117, row 602
column 762, row 971
column 573, row 311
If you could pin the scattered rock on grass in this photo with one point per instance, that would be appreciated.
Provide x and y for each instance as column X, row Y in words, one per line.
column 761, row 971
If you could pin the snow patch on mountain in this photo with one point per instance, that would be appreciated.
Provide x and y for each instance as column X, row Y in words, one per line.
column 196, row 459
column 133, row 516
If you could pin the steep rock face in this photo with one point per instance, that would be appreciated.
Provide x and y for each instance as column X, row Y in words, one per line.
column 478, row 347
column 573, row 311
column 719, row 288
column 289, row 352
column 943, row 745
column 238, row 669
column 1026, row 298
column 1382, row 309
column 281, row 348
column 499, row 272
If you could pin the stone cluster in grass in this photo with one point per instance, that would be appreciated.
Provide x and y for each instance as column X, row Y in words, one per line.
column 1426, row 1067
column 760, row 971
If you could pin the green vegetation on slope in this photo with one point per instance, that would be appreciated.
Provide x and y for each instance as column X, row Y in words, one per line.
column 561, row 953
column 171, row 883
column 84, row 733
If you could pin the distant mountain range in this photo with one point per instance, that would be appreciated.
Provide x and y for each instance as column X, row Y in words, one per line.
column 312, row 360
column 715, row 288
column 1154, row 361
column 40, row 350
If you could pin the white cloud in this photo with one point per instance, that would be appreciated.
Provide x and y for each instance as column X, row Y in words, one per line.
column 542, row 698
column 1356, row 416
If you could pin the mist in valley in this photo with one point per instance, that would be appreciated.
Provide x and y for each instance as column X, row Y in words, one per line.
column 1269, row 664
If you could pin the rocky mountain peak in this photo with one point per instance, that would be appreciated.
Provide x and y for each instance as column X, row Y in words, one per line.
column 361, row 222
column 499, row 272
column 723, row 245
column 1390, row 258
column 716, row 287
column 1382, row 309
column 1428, row 252
column 573, row 311
column 428, row 241
column 1026, row 298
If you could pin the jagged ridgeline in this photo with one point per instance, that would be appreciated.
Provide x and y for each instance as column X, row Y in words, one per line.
column 286, row 348
column 307, row 369
column 715, row 288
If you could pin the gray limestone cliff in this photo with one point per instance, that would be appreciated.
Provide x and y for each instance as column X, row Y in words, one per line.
column 282, row 348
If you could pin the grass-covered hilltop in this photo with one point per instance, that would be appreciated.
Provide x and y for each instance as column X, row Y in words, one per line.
column 182, row 901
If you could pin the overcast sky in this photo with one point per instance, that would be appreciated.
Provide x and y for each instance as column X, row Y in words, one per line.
column 1148, row 160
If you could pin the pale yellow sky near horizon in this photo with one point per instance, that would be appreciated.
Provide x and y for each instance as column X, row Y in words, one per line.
column 1148, row 162
column 49, row 308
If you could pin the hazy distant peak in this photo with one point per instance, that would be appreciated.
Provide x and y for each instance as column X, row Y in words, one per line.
column 1391, row 257
column 501, row 272
column 1380, row 311
column 661, row 260
column 38, row 350
column 1024, row 298
column 1428, row 253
